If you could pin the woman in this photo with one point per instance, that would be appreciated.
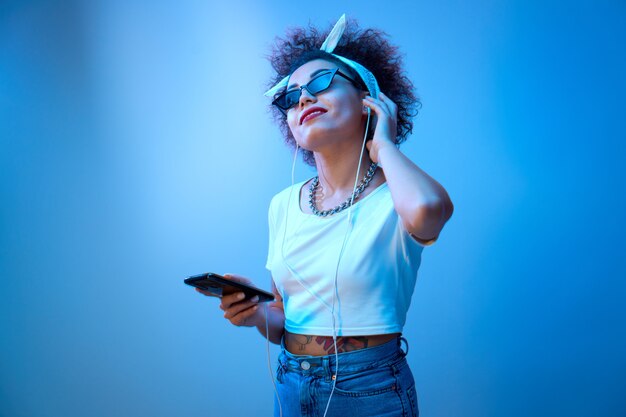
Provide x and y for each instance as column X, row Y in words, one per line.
column 344, row 258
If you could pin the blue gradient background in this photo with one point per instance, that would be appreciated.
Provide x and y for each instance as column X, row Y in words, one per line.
column 136, row 150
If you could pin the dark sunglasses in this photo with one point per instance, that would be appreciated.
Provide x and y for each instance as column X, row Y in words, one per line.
column 287, row 99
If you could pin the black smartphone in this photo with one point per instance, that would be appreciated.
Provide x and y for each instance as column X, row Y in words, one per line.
column 220, row 286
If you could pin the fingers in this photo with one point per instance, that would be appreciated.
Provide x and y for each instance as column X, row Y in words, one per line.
column 388, row 102
column 239, row 313
column 382, row 105
column 237, row 309
column 231, row 299
column 246, row 318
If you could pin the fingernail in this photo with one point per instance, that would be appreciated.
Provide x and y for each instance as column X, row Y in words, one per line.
column 240, row 296
column 255, row 299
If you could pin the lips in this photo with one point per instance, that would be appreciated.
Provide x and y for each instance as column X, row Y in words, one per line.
column 311, row 113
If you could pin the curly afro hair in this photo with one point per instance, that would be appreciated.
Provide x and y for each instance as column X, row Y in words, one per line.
column 368, row 47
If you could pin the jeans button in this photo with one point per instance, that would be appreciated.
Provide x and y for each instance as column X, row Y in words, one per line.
column 305, row 365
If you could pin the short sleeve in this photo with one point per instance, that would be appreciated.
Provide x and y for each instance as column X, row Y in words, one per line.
column 422, row 241
column 419, row 241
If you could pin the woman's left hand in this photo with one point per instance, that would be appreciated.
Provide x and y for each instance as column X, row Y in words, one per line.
column 386, row 125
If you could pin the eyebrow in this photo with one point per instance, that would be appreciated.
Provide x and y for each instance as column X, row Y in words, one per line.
column 313, row 74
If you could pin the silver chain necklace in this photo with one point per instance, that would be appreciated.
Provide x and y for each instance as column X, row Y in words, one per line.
column 359, row 189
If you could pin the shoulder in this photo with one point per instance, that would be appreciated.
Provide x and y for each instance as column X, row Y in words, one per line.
column 280, row 201
column 379, row 197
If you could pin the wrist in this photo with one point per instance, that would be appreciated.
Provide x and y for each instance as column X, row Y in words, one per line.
column 382, row 148
column 258, row 320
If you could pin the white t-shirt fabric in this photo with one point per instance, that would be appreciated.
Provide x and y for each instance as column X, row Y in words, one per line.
column 376, row 275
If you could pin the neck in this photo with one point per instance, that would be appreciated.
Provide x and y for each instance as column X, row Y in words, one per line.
column 337, row 169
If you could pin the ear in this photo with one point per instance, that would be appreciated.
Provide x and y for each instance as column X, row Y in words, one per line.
column 365, row 108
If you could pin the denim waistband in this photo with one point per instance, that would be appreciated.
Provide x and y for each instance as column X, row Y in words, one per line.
column 349, row 362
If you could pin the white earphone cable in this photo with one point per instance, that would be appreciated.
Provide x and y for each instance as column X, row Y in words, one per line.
column 301, row 281
column 269, row 361
column 343, row 245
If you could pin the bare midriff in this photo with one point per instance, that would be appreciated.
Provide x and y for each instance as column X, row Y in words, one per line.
column 304, row 344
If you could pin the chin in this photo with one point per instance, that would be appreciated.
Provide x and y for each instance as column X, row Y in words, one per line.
column 320, row 131
column 314, row 141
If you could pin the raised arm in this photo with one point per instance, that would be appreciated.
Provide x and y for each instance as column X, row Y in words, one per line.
column 421, row 202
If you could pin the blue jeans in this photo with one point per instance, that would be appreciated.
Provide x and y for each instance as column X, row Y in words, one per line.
column 373, row 381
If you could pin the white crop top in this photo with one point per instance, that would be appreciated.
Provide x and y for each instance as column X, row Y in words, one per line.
column 376, row 276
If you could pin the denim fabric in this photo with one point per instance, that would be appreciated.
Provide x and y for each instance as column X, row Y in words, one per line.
column 374, row 381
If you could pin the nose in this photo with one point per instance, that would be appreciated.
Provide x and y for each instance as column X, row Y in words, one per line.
column 306, row 96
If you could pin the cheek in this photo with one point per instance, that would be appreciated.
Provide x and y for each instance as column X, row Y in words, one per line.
column 292, row 122
column 352, row 110
column 351, row 103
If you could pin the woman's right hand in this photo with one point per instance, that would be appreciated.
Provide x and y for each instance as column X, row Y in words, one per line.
column 238, row 311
